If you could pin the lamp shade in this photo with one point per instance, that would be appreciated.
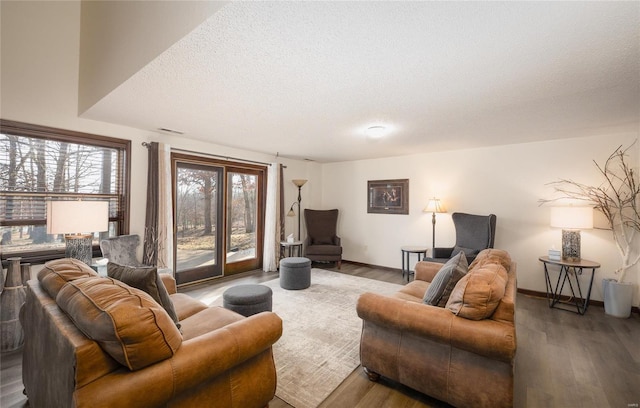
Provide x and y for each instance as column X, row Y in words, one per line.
column 299, row 182
column 74, row 217
column 435, row 206
column 570, row 217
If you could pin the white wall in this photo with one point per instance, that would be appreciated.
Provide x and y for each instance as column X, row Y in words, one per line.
column 39, row 78
column 507, row 181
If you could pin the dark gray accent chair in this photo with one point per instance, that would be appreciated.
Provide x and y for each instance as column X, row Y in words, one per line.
column 322, row 243
column 473, row 234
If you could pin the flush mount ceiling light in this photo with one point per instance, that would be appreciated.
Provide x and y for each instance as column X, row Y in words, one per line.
column 376, row 132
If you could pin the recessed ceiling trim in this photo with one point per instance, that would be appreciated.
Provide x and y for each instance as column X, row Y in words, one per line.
column 167, row 130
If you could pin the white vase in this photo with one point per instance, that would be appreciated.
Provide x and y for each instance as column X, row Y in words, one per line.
column 617, row 297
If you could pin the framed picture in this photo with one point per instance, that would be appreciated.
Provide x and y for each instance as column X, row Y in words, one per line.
column 388, row 196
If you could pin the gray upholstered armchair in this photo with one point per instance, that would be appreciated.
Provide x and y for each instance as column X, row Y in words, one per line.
column 121, row 249
column 322, row 243
column 473, row 234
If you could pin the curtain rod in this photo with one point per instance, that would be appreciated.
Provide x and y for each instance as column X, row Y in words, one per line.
column 145, row 144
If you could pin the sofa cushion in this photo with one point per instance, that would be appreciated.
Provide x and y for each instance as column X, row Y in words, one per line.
column 55, row 274
column 126, row 322
column 323, row 250
column 445, row 280
column 492, row 255
column 477, row 295
column 145, row 278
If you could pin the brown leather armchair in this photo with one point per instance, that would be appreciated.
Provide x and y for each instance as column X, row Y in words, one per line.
column 322, row 243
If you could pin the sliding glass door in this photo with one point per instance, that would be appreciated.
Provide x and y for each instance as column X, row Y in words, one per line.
column 218, row 212
column 198, row 226
column 244, row 221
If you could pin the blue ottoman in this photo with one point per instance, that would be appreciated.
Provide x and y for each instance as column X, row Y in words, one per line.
column 295, row 273
column 248, row 299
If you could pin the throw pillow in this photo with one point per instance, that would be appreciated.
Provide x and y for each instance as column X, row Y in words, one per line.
column 145, row 278
column 477, row 295
column 445, row 280
column 492, row 255
column 126, row 322
column 468, row 252
column 55, row 274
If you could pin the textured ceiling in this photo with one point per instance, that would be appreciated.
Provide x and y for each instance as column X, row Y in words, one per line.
column 304, row 79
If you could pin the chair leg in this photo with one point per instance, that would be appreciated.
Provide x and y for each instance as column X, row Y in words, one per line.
column 339, row 263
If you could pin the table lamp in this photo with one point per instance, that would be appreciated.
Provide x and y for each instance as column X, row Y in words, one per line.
column 434, row 206
column 78, row 220
column 571, row 219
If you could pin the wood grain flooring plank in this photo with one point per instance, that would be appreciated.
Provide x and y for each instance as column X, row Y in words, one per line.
column 351, row 391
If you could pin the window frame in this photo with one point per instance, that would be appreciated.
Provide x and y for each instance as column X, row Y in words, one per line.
column 62, row 135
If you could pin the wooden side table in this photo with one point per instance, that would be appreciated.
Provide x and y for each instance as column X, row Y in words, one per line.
column 568, row 269
column 406, row 253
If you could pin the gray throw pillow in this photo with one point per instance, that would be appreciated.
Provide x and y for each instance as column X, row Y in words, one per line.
column 468, row 252
column 145, row 278
column 445, row 280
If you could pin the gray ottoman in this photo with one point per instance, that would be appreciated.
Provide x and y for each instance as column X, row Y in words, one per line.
column 247, row 299
column 295, row 273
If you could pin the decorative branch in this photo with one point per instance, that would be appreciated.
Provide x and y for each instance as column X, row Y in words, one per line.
column 617, row 198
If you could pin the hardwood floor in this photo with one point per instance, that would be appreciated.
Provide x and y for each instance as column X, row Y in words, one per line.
column 563, row 359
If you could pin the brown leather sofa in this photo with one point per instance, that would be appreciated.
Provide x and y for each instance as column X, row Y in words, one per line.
column 464, row 361
column 140, row 357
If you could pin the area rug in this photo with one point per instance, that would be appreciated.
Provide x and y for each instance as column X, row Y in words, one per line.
column 320, row 343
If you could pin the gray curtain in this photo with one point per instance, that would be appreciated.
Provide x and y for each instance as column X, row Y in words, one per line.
column 150, row 248
column 281, row 201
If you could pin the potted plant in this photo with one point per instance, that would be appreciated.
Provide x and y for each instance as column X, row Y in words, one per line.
column 618, row 199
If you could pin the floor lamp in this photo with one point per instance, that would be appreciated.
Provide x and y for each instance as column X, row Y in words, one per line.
column 434, row 206
column 78, row 220
column 299, row 183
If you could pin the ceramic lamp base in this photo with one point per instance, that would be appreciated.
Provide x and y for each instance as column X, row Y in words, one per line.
column 79, row 247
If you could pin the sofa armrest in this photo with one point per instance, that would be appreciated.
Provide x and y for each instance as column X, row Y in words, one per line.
column 169, row 283
column 215, row 352
column 484, row 337
column 197, row 362
column 427, row 270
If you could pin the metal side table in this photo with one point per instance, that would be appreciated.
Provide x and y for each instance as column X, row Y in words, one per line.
column 406, row 254
column 569, row 273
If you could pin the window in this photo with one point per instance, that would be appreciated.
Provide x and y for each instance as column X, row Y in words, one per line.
column 38, row 164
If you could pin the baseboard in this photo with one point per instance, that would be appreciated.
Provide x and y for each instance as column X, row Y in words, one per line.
column 599, row 303
column 385, row 268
